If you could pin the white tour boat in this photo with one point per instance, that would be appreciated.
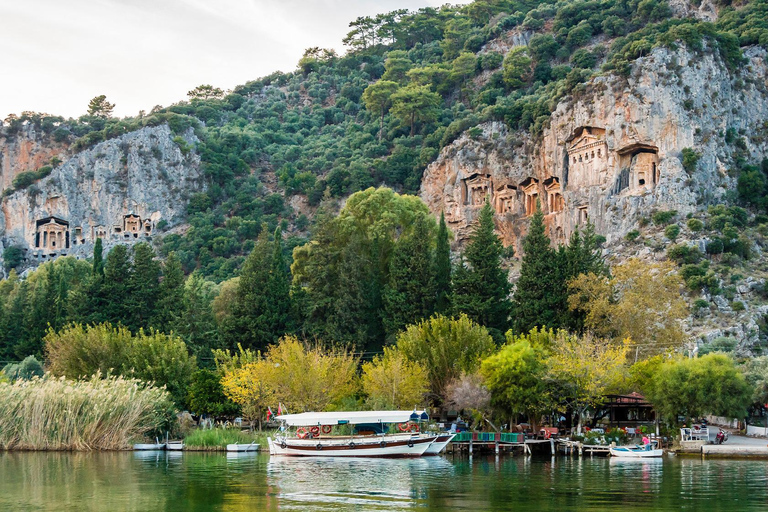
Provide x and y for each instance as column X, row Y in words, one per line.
column 636, row 452
column 368, row 437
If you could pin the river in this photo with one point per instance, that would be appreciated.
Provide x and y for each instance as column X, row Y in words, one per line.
column 127, row 481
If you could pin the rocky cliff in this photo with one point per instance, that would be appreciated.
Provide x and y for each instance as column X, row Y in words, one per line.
column 27, row 150
column 612, row 151
column 122, row 190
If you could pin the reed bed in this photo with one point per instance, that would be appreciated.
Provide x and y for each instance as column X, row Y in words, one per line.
column 51, row 413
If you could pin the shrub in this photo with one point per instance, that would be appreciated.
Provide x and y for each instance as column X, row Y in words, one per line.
column 738, row 305
column 700, row 304
column 715, row 246
column 78, row 351
column 663, row 218
column 12, row 257
column 684, row 254
column 95, row 414
column 206, row 395
column 27, row 369
column 695, row 225
column 632, row 235
column 690, row 160
column 672, row 231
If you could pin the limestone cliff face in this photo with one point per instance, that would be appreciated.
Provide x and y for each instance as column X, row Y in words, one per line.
column 611, row 154
column 26, row 150
column 122, row 190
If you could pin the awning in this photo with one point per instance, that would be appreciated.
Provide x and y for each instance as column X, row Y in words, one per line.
column 308, row 419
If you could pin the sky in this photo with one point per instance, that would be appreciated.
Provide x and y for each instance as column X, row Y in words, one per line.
column 55, row 55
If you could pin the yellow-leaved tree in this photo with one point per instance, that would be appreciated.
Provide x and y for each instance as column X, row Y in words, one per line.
column 307, row 378
column 640, row 301
column 393, row 382
column 585, row 369
column 251, row 386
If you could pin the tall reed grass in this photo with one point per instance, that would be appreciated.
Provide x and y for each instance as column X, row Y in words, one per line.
column 96, row 414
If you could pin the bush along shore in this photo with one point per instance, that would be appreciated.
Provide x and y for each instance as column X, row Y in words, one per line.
column 95, row 414
column 217, row 439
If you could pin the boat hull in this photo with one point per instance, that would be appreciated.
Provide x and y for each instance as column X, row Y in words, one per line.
column 398, row 446
column 149, row 446
column 629, row 453
column 174, row 447
column 243, row 447
column 439, row 444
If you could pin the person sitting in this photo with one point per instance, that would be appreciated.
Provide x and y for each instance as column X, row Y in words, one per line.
column 646, row 441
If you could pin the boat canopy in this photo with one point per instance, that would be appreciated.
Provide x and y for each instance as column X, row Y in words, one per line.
column 308, row 419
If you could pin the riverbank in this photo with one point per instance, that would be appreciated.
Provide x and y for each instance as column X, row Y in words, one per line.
column 216, row 440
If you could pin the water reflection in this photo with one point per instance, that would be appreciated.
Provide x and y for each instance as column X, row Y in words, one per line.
column 186, row 481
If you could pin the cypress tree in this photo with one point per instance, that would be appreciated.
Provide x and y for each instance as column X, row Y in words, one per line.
column 117, row 274
column 538, row 296
column 170, row 302
column 143, row 287
column 98, row 258
column 582, row 256
column 409, row 296
column 196, row 324
column 279, row 290
column 480, row 285
column 442, row 268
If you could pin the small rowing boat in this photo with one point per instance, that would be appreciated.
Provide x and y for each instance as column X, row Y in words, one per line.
column 636, row 452
column 175, row 446
column 242, row 447
column 157, row 445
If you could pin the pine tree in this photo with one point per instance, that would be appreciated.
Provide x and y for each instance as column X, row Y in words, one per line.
column 442, row 270
column 409, row 296
column 170, row 302
column 538, row 296
column 480, row 285
column 143, row 287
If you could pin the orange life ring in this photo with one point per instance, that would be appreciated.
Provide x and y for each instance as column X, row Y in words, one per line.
column 314, row 430
column 404, row 427
column 326, row 429
column 301, row 432
column 415, row 427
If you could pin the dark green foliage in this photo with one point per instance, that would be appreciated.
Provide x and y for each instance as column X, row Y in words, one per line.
column 206, row 396
column 663, row 218
column 12, row 256
column 684, row 254
column 690, row 160
column 672, row 231
column 632, row 235
column 143, row 287
column 481, row 287
column 443, row 269
column 409, row 296
column 695, row 225
column 167, row 314
column 752, row 185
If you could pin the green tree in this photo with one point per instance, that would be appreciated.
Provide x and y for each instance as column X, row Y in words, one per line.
column 447, row 347
column 711, row 384
column 414, row 104
column 378, row 98
column 539, row 290
column 517, row 68
column 143, row 288
column 443, row 290
column 197, row 323
column 206, row 395
column 205, row 92
column 115, row 289
column 170, row 296
column 396, row 67
column 100, row 107
column 410, row 292
column 516, row 376
column 480, row 285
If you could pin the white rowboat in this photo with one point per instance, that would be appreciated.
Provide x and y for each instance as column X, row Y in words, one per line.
column 636, row 452
column 174, row 446
column 252, row 447
column 149, row 446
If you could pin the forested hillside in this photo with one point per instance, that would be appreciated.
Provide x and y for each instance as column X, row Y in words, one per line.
column 280, row 157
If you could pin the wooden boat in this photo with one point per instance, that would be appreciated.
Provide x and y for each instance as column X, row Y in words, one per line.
column 174, row 446
column 439, row 444
column 310, row 443
column 242, row 447
column 636, row 452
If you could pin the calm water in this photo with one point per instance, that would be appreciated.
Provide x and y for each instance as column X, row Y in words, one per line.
column 193, row 481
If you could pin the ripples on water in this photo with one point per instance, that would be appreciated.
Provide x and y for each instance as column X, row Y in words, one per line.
column 233, row 482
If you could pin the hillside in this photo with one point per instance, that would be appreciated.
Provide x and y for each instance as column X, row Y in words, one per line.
column 603, row 111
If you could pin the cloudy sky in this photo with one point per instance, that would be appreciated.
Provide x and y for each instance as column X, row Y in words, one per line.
column 55, row 55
